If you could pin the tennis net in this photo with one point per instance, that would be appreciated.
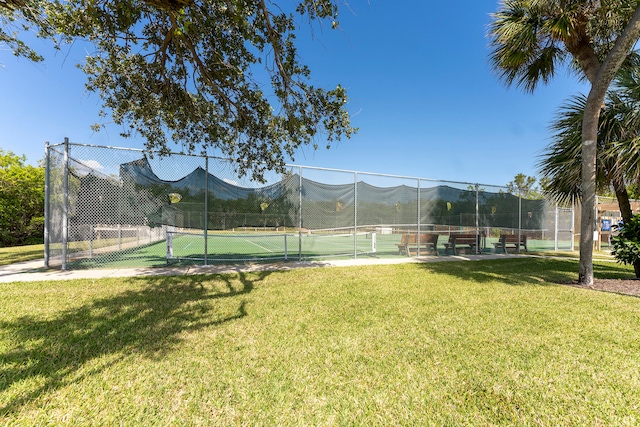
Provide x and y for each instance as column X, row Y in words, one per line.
column 341, row 241
column 226, row 246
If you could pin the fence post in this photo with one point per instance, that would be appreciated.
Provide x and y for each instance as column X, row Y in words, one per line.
column 300, row 213
column 47, row 195
column 519, row 219
column 355, row 215
column 206, row 207
column 65, row 204
column 419, row 219
column 477, row 218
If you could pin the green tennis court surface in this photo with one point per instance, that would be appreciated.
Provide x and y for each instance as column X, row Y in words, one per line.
column 229, row 247
column 237, row 247
column 225, row 247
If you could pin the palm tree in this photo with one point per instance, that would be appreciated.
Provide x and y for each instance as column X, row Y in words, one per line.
column 623, row 148
column 531, row 38
column 618, row 153
column 617, row 161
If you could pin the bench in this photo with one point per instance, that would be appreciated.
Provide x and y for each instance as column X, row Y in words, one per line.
column 409, row 243
column 510, row 241
column 465, row 241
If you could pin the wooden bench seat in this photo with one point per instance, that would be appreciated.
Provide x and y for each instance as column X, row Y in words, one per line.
column 510, row 241
column 428, row 244
column 467, row 242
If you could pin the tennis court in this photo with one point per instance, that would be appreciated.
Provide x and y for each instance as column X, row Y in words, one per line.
column 190, row 248
column 225, row 246
column 109, row 207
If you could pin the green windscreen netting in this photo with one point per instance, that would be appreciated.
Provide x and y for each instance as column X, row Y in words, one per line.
column 110, row 207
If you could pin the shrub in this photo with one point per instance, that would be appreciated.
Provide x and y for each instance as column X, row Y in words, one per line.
column 626, row 245
column 21, row 201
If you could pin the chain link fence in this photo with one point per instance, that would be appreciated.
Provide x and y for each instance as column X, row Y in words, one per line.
column 112, row 207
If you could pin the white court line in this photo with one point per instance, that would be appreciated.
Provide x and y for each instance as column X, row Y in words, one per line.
column 261, row 247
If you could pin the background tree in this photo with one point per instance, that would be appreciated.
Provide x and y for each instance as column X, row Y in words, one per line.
column 530, row 39
column 21, row 201
column 524, row 186
column 195, row 72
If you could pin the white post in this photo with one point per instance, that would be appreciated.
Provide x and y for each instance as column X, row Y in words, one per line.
column 373, row 243
column 556, row 229
column 169, row 244
column 519, row 219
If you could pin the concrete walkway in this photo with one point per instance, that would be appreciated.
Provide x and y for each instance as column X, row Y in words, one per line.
column 35, row 270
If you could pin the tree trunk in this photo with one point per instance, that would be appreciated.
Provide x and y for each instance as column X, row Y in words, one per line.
column 586, row 57
column 595, row 100
column 590, row 131
column 623, row 199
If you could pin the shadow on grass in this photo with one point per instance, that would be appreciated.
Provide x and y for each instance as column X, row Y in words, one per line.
column 21, row 254
column 529, row 270
column 147, row 321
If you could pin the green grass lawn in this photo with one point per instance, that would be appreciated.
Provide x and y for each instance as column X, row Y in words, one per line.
column 21, row 253
column 456, row 343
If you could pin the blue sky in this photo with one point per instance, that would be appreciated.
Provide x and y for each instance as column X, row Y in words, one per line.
column 419, row 82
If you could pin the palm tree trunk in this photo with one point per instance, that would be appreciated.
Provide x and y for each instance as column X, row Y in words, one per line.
column 623, row 200
column 590, row 128
column 595, row 100
column 587, row 57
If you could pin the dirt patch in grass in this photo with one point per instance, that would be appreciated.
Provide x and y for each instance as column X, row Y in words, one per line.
column 619, row 286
